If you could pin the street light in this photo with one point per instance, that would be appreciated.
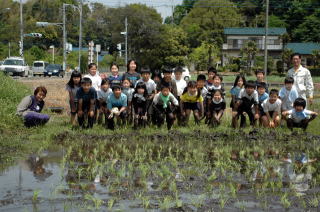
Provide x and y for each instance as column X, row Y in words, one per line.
column 63, row 26
column 126, row 37
column 52, row 47
column 5, row 9
column 79, row 8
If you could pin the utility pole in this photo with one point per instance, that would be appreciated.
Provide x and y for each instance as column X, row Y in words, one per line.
column 9, row 52
column 64, row 38
column 265, row 40
column 80, row 33
column 126, row 23
column 21, row 29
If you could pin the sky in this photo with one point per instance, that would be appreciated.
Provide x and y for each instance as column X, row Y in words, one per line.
column 164, row 7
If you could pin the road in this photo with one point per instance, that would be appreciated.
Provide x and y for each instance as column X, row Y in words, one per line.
column 57, row 96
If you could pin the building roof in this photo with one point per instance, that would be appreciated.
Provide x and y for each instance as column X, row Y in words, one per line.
column 254, row 31
column 303, row 48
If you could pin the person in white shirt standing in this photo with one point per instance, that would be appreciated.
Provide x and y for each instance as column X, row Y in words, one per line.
column 302, row 78
column 181, row 85
column 94, row 76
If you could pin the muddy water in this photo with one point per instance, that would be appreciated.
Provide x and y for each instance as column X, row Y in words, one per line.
column 39, row 184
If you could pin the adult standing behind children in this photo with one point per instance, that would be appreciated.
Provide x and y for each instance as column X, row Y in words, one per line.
column 94, row 76
column 30, row 108
column 302, row 78
column 132, row 73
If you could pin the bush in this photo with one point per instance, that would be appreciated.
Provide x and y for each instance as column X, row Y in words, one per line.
column 11, row 93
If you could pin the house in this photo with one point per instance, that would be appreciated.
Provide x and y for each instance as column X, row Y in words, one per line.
column 306, row 50
column 236, row 38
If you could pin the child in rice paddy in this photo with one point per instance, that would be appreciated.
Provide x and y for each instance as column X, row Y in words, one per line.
column 128, row 91
column 114, row 78
column 191, row 100
column 271, row 110
column 86, row 96
column 260, row 78
column 72, row 87
column 116, row 106
column 103, row 95
column 139, row 103
column 299, row 117
column 94, row 76
column 164, row 104
column 211, row 73
column 217, row 85
column 216, row 108
column 30, row 108
column 248, row 98
column 262, row 96
column 181, row 85
column 238, row 84
column 288, row 94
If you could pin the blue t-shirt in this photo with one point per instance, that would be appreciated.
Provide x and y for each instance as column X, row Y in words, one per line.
column 235, row 91
column 263, row 97
column 117, row 102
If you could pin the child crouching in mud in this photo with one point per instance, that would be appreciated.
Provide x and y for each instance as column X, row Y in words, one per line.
column 164, row 104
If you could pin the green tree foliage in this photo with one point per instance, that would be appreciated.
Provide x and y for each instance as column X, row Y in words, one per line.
column 248, row 53
column 173, row 48
column 201, row 58
column 180, row 11
column 316, row 57
column 207, row 22
column 309, row 30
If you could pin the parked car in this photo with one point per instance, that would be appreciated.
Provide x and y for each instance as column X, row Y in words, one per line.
column 39, row 67
column 15, row 66
column 54, row 70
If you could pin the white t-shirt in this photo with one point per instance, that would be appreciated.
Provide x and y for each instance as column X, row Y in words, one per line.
column 151, row 85
column 268, row 107
column 96, row 81
column 181, row 84
column 288, row 97
column 244, row 94
column 297, row 117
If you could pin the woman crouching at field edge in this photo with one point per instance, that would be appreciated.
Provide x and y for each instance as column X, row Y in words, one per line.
column 30, row 108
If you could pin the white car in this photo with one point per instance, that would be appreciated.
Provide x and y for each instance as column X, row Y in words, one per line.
column 14, row 66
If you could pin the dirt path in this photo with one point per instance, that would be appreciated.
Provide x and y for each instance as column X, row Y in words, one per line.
column 57, row 96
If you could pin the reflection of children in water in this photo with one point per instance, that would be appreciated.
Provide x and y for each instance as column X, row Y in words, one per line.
column 35, row 164
column 287, row 171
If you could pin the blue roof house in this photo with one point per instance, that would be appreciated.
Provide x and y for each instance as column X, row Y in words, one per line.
column 236, row 38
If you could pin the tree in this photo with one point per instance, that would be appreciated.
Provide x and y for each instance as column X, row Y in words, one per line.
column 144, row 29
column 286, row 57
column 206, row 22
column 172, row 50
column 180, row 11
column 316, row 57
column 248, row 53
column 309, row 30
column 200, row 56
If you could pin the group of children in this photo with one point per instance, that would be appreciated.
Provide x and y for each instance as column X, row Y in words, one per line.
column 142, row 99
